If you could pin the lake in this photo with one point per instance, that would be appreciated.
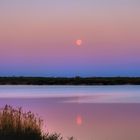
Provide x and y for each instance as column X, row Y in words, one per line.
column 85, row 112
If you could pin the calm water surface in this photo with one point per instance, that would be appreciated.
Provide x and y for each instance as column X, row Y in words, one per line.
column 86, row 112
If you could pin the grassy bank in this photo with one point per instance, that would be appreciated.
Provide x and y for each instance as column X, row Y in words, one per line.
column 18, row 125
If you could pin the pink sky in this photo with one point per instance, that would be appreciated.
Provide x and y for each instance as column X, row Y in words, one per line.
column 41, row 36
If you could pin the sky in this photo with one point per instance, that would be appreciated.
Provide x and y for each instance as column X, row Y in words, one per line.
column 38, row 38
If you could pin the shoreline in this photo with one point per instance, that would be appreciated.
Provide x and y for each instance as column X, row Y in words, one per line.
column 70, row 81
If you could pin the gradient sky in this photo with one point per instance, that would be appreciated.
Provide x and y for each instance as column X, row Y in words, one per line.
column 37, row 37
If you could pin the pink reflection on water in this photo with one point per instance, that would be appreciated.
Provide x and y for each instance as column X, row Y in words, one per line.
column 115, row 112
column 79, row 120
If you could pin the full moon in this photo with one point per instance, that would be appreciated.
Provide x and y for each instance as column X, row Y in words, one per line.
column 79, row 42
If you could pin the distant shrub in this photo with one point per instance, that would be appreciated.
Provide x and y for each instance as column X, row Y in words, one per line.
column 18, row 125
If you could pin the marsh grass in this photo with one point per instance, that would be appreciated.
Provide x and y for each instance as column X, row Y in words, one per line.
column 18, row 125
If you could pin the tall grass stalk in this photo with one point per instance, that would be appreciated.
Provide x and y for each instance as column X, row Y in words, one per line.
column 18, row 125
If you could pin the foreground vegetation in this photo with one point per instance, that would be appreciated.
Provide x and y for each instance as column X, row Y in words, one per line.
column 18, row 125
column 69, row 81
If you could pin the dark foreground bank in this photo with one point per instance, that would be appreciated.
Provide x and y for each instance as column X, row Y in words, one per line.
column 69, row 81
column 18, row 125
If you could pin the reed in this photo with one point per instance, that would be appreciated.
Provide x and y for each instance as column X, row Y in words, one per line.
column 18, row 125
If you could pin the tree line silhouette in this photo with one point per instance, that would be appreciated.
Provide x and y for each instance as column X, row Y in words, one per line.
column 69, row 80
